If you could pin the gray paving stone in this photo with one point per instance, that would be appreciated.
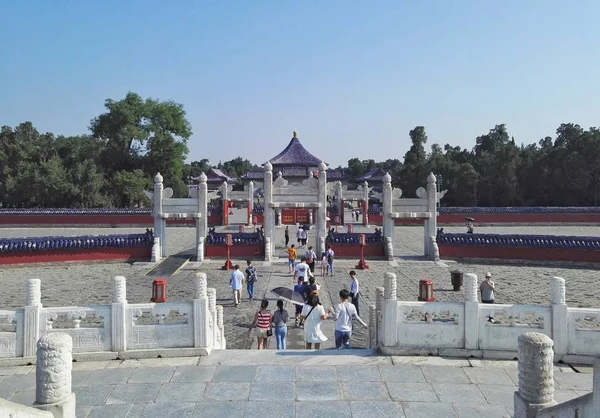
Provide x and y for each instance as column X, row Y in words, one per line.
column 136, row 410
column 358, row 373
column 458, row 393
column 92, row 395
column 412, row 392
column 371, row 391
column 478, row 411
column 316, row 373
column 169, row 410
column 111, row 411
column 577, row 381
column 370, row 409
column 193, row 374
column 151, row 375
column 404, row 373
column 323, row 410
column 564, row 395
column 235, row 374
column 428, row 410
column 80, row 377
column 134, row 393
column 444, row 374
column 220, row 409
column 83, row 411
column 273, row 391
column 499, row 395
column 227, row 391
column 258, row 409
column 17, row 383
column 110, row 376
column 488, row 376
column 276, row 374
column 318, row 391
column 26, row 397
column 181, row 392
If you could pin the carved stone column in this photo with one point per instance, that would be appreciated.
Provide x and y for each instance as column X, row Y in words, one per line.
column 53, row 375
column 269, row 213
column 159, row 230
column 250, row 203
column 536, row 375
column 596, row 385
column 202, row 221
column 388, row 222
column 379, row 291
column 221, row 328
column 322, row 209
column 224, row 198
column 117, row 313
column 212, row 309
column 372, row 326
column 156, row 250
column 365, row 218
column 202, row 334
column 559, row 316
column 471, row 312
column 431, row 223
column 31, row 315
column 340, row 199
column 435, row 250
column 390, row 311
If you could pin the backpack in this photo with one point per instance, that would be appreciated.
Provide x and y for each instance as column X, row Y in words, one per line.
column 309, row 256
column 329, row 257
column 251, row 275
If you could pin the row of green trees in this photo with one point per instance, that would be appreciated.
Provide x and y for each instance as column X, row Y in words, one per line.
column 114, row 163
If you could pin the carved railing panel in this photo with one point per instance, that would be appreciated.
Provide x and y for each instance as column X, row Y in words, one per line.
column 89, row 327
column 583, row 328
column 11, row 333
column 164, row 325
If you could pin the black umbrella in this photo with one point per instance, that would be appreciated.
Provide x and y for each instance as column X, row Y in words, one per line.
column 470, row 219
column 305, row 227
column 289, row 295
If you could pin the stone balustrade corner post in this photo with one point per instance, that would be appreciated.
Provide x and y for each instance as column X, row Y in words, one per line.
column 118, row 310
column 31, row 316
column 471, row 311
column 212, row 316
column 559, row 316
column 596, row 385
column 390, row 311
column 202, row 336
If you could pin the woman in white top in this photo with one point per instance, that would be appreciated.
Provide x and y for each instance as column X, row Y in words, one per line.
column 312, row 315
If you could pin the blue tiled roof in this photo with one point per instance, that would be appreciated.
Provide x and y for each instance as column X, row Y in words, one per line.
column 66, row 211
column 239, row 238
column 354, row 238
column 254, row 175
column 520, row 241
column 375, row 174
column 63, row 243
column 532, row 210
column 334, row 174
column 295, row 154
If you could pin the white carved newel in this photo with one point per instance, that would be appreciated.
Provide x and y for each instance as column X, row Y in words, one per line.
column 53, row 375
column 365, row 218
column 596, row 385
column 31, row 315
column 159, row 224
column 390, row 311
column 155, row 256
column 224, row 198
column 379, row 302
column 221, row 328
column 559, row 316
column 431, row 223
column 212, row 310
column 269, row 214
column 435, row 250
column 250, row 203
column 471, row 312
column 117, row 313
column 202, row 335
column 322, row 209
column 202, row 221
column 536, row 375
column 372, row 326
column 388, row 222
column 339, row 191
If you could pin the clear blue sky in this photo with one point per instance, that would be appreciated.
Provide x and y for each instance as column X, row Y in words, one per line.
column 352, row 77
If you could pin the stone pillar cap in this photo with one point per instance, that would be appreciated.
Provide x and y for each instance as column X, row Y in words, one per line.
column 268, row 166
column 535, row 338
column 55, row 341
column 158, row 178
column 202, row 177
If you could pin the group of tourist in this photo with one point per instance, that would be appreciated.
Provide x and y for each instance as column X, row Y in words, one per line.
column 310, row 258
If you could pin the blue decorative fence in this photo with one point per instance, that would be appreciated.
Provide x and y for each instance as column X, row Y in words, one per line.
column 239, row 238
column 8, row 245
column 354, row 238
column 520, row 241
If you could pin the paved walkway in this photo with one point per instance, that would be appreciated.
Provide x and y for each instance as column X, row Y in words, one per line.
column 277, row 384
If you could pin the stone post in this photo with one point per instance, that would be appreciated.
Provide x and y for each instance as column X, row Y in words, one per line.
column 322, row 209
column 559, row 316
column 212, row 311
column 202, row 337
column 596, row 385
column 365, row 219
column 269, row 213
column 53, row 375
column 339, row 191
column 390, row 311
column 224, row 198
column 536, row 375
column 221, row 328
column 31, row 315
column 471, row 312
column 155, row 255
column 372, row 326
column 435, row 250
column 388, row 222
column 159, row 229
column 310, row 217
column 202, row 222
column 431, row 223
column 379, row 312
column 250, row 202
column 118, row 325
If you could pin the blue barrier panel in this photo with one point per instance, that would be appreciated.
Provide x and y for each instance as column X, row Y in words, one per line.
column 8, row 245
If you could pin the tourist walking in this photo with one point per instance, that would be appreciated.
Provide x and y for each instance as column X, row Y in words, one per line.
column 330, row 254
column 299, row 288
column 299, row 234
column 262, row 324
column 287, row 236
column 280, row 318
column 487, row 289
column 236, row 282
column 355, row 291
column 310, row 256
column 302, row 271
column 312, row 315
column 250, row 279
column 343, row 314
column 303, row 237
column 291, row 258
column 323, row 263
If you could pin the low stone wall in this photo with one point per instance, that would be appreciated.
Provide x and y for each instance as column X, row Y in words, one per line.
column 245, row 245
column 520, row 247
column 347, row 245
column 519, row 215
column 82, row 248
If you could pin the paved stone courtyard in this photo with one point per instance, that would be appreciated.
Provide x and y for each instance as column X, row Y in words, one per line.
column 293, row 384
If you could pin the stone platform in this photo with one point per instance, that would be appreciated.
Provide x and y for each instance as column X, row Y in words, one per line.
column 298, row 383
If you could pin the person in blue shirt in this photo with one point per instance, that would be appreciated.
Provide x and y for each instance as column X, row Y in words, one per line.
column 236, row 282
column 299, row 288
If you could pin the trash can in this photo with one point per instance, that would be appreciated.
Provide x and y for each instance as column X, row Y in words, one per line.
column 457, row 279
